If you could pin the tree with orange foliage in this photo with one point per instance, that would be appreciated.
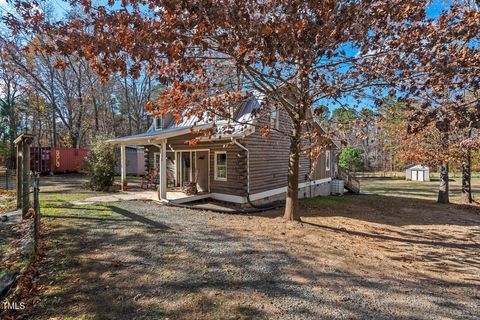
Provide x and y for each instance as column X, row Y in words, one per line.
column 298, row 53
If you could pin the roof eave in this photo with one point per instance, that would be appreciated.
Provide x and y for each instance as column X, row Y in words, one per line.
column 157, row 136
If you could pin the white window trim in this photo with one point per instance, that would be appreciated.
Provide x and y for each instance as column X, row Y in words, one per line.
column 328, row 160
column 275, row 122
column 215, row 177
column 155, row 123
column 155, row 163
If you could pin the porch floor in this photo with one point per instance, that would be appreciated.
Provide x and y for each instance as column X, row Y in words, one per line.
column 144, row 194
column 180, row 197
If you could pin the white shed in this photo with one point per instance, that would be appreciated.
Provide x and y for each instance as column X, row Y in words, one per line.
column 135, row 157
column 417, row 172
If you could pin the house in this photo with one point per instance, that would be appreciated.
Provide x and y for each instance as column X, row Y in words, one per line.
column 135, row 157
column 240, row 166
column 417, row 172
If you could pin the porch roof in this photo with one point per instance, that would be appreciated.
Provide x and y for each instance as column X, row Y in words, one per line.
column 156, row 136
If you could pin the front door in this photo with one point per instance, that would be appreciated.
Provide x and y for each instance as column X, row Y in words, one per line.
column 156, row 160
column 185, row 166
column 192, row 166
column 201, row 172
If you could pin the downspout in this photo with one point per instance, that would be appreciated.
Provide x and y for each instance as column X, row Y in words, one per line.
column 160, row 169
column 248, row 164
column 310, row 162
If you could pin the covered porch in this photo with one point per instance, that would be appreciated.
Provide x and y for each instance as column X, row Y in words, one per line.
column 172, row 173
column 134, row 191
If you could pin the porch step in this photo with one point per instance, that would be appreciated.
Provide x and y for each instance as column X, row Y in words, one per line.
column 191, row 198
column 351, row 182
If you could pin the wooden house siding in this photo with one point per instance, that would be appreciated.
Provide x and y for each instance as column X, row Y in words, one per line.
column 269, row 158
column 236, row 183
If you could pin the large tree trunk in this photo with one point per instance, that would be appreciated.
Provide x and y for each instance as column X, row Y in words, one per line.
column 443, row 189
column 466, row 179
column 291, row 204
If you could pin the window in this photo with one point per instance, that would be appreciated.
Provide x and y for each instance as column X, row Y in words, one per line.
column 159, row 123
column 221, row 166
column 274, row 119
column 327, row 160
column 156, row 159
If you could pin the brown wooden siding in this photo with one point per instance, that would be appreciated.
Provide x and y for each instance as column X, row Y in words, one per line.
column 269, row 158
column 236, row 162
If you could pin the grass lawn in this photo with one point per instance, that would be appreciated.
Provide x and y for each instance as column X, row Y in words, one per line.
column 7, row 200
column 352, row 257
column 416, row 189
column 8, row 233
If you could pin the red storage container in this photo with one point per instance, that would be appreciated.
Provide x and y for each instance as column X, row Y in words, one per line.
column 57, row 160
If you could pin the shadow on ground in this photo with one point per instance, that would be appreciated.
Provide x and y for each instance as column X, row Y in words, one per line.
column 149, row 261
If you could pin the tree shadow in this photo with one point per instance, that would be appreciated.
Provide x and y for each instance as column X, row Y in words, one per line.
column 195, row 270
column 387, row 210
column 79, row 217
column 398, row 239
column 138, row 218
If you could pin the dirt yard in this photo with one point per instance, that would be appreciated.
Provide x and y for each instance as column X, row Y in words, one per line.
column 352, row 257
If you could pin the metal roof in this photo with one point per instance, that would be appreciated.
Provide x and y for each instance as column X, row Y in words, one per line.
column 240, row 126
column 156, row 135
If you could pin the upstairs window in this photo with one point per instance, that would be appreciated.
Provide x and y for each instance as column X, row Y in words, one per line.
column 158, row 123
column 275, row 118
column 221, row 166
column 327, row 160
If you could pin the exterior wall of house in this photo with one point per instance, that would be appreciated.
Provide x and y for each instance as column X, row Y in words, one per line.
column 236, row 163
column 268, row 166
column 269, row 163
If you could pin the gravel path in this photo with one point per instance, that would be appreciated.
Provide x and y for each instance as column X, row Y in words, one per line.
column 207, row 257
column 244, row 262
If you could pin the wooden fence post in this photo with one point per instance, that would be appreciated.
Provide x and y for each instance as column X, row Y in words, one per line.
column 26, row 177
column 19, row 174
column 23, row 171
column 36, row 206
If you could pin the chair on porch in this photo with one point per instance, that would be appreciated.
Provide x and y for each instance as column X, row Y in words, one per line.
column 150, row 178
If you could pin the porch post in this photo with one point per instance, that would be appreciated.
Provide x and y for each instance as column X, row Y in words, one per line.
column 163, row 171
column 123, row 166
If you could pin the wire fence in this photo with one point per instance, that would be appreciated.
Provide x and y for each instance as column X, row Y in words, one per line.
column 36, row 208
column 7, row 179
column 401, row 174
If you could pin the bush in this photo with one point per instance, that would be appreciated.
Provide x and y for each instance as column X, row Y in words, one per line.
column 350, row 159
column 101, row 164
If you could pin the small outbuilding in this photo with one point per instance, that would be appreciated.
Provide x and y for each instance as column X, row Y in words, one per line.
column 417, row 172
column 135, row 157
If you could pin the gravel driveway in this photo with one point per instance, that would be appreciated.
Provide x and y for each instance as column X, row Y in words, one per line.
column 153, row 261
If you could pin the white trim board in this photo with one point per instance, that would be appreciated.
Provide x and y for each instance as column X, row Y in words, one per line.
column 215, row 166
column 264, row 194
column 253, row 197
column 191, row 198
column 228, row 198
column 272, row 192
